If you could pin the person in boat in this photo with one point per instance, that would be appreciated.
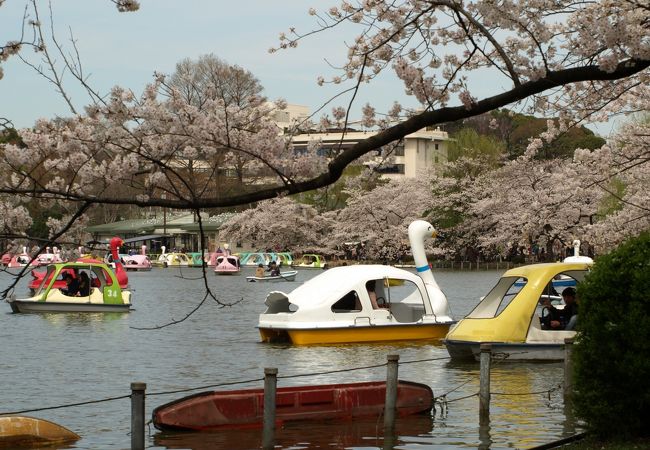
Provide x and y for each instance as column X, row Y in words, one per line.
column 72, row 284
column 274, row 268
column 565, row 318
column 259, row 271
column 370, row 287
column 84, row 284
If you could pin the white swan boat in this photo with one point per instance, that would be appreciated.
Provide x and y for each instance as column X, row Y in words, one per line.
column 336, row 307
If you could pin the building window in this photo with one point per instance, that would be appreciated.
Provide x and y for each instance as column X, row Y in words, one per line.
column 394, row 168
column 436, row 160
column 436, row 147
column 399, row 151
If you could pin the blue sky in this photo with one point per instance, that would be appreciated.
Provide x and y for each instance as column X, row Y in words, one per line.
column 127, row 48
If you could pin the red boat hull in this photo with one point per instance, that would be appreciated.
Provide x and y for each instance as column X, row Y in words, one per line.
column 209, row 411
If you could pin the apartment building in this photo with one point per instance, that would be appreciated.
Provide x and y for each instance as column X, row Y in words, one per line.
column 422, row 150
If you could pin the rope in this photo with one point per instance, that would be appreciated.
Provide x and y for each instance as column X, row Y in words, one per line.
column 442, row 399
column 68, row 405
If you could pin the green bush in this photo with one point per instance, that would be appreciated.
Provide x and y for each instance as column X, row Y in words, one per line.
column 612, row 352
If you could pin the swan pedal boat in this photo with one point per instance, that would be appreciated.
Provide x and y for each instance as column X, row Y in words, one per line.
column 173, row 259
column 106, row 295
column 509, row 317
column 335, row 307
column 311, row 261
column 227, row 265
column 289, row 275
column 139, row 263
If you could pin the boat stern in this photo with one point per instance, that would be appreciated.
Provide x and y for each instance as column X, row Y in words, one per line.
column 462, row 350
column 12, row 302
column 274, row 335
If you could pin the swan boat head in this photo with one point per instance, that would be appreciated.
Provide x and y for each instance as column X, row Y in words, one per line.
column 419, row 231
column 577, row 258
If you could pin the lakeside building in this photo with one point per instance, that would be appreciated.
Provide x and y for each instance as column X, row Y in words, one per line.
column 422, row 150
column 174, row 231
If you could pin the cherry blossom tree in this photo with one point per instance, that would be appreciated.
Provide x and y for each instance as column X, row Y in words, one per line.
column 379, row 218
column 280, row 224
column 548, row 203
column 624, row 162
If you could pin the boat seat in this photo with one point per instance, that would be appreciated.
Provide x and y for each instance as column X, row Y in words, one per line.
column 406, row 313
column 56, row 295
column 537, row 335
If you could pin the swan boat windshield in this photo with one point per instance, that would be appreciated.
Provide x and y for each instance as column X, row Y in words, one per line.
column 511, row 316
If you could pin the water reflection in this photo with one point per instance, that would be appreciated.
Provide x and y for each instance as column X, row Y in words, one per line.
column 485, row 440
column 329, row 434
column 82, row 319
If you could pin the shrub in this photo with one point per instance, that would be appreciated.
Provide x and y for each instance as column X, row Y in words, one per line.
column 612, row 352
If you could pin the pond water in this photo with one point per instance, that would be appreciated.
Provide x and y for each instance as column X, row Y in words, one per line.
column 51, row 360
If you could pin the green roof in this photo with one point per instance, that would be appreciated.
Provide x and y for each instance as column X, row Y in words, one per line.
column 212, row 223
column 148, row 226
column 133, row 226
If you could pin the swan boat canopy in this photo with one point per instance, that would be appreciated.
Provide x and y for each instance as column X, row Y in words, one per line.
column 336, row 306
column 509, row 317
column 105, row 294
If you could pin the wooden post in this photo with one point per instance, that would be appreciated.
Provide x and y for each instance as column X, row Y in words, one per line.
column 484, row 390
column 137, row 415
column 391, row 393
column 270, row 387
column 568, row 368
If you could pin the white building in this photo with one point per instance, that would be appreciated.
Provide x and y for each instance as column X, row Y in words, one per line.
column 424, row 149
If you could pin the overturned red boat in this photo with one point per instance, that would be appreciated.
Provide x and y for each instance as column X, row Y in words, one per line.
column 238, row 409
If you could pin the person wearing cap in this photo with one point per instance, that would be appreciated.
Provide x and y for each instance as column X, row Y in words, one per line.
column 565, row 318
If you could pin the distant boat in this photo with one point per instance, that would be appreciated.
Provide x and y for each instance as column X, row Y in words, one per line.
column 29, row 432
column 227, row 265
column 140, row 263
column 289, row 275
column 311, row 261
column 104, row 293
column 240, row 409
